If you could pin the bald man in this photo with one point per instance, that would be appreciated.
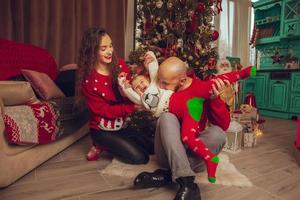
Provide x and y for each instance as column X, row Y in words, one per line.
column 188, row 105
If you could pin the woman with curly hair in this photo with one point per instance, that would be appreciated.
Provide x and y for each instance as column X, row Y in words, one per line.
column 97, row 81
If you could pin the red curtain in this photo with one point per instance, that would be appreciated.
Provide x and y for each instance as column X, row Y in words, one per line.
column 57, row 25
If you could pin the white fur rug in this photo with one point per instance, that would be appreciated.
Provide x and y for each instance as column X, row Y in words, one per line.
column 227, row 174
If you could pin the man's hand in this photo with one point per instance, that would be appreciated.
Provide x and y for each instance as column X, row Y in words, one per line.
column 148, row 59
column 218, row 87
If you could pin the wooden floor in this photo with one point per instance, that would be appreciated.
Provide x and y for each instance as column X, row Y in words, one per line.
column 270, row 166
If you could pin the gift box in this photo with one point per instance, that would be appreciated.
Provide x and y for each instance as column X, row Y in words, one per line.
column 250, row 139
column 246, row 113
column 234, row 135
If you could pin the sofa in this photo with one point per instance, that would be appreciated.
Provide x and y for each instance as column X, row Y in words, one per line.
column 17, row 160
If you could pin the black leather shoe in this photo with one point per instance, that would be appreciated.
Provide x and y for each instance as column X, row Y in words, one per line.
column 188, row 189
column 158, row 178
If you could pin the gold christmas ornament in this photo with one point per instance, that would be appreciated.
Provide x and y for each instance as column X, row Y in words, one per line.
column 190, row 58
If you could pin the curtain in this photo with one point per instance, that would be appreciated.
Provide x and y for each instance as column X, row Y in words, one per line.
column 234, row 26
column 58, row 25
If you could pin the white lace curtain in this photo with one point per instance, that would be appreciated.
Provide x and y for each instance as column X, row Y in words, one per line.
column 234, row 25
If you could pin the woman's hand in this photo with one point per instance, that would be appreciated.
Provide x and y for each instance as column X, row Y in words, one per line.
column 218, row 87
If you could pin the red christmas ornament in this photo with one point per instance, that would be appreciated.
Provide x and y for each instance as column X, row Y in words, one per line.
column 191, row 26
column 215, row 35
column 201, row 7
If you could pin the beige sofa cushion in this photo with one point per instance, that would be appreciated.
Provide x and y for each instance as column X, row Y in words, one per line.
column 16, row 92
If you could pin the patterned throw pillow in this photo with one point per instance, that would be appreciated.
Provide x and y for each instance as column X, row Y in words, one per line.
column 30, row 124
column 42, row 84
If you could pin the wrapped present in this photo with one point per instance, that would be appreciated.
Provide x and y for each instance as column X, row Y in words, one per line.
column 234, row 137
column 250, row 139
column 249, row 113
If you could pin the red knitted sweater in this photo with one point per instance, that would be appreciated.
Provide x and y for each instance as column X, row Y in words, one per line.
column 106, row 112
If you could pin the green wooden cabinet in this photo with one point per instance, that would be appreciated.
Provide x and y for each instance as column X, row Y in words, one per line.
column 278, row 99
column 295, row 105
column 295, row 82
column 257, row 85
column 295, row 95
column 290, row 18
column 276, row 89
column 277, row 93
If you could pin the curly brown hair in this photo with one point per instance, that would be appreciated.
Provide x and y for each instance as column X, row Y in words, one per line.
column 88, row 58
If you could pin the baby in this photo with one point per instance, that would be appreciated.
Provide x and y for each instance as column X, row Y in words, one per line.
column 145, row 91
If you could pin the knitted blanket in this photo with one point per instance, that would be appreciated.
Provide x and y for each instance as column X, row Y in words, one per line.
column 30, row 124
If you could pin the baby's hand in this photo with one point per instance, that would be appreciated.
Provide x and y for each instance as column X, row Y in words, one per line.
column 122, row 79
column 148, row 58
column 122, row 74
column 127, row 84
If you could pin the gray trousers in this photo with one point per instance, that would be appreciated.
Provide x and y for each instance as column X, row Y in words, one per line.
column 171, row 153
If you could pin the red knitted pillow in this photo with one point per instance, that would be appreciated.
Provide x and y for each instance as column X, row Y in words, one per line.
column 42, row 84
column 30, row 124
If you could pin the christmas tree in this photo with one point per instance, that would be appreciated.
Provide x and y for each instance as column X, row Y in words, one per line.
column 182, row 28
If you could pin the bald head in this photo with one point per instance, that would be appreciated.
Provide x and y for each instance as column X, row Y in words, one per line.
column 173, row 67
column 172, row 73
